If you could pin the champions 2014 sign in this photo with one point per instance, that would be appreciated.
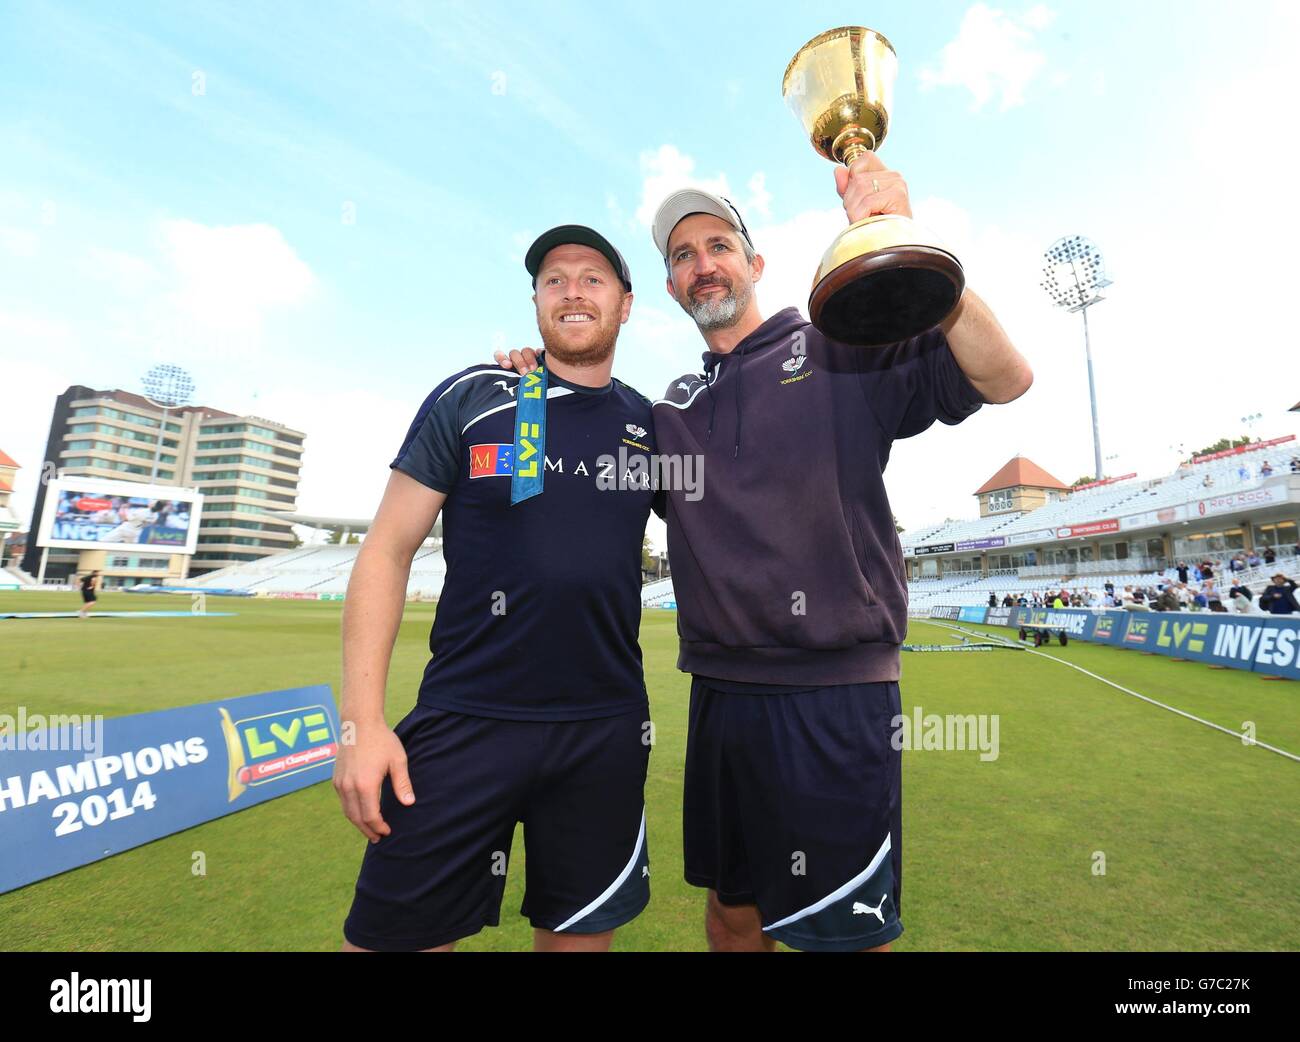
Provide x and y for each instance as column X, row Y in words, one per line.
column 1267, row 644
column 88, row 788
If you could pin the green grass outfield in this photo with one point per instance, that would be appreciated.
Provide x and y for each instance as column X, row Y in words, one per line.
column 1199, row 831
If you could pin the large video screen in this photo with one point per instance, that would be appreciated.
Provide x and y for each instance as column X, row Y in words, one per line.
column 92, row 513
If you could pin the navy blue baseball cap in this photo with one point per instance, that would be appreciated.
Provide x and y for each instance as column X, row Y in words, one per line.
column 576, row 235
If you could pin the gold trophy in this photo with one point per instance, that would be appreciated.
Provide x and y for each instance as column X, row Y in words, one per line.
column 884, row 279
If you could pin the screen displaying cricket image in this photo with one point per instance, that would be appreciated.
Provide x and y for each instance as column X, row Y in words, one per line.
column 82, row 513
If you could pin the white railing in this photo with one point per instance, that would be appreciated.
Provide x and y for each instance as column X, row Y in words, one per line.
column 1122, row 566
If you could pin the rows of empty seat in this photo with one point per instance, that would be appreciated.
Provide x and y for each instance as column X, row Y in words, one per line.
column 319, row 570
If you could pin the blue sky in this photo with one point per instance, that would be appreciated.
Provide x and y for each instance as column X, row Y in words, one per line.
column 321, row 210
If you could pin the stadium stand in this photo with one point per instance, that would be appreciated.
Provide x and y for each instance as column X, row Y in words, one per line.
column 655, row 594
column 317, row 570
column 1185, row 487
column 12, row 575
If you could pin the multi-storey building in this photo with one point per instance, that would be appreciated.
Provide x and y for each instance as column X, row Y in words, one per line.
column 245, row 466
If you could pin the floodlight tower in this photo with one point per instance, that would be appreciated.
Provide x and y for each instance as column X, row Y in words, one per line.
column 165, row 386
column 1074, row 277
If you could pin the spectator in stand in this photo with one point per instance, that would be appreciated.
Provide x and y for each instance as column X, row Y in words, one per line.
column 1237, row 563
column 1212, row 598
column 1109, row 600
column 1253, row 561
column 1208, row 482
column 993, row 599
column 1182, row 571
column 1295, row 464
column 1266, row 470
column 1057, row 602
column 1207, row 570
column 1243, row 472
column 1023, row 601
column 1279, row 597
column 1007, row 601
column 1184, row 597
column 1270, row 555
column 1199, row 601
column 1241, row 598
column 1168, row 599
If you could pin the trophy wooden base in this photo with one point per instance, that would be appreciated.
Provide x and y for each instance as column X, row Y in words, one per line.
column 870, row 297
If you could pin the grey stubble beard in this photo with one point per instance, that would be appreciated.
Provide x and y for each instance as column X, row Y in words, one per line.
column 711, row 315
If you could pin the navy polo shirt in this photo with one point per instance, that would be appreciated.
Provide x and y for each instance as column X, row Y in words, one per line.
column 541, row 606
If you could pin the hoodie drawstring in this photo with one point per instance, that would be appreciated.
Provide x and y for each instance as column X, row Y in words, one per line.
column 740, row 372
column 709, row 362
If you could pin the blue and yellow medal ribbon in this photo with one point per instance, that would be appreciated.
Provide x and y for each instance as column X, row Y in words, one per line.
column 530, row 436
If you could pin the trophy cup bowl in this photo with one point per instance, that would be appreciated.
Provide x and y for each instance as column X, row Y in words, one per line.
column 885, row 278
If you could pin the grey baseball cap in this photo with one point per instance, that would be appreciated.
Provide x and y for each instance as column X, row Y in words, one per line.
column 578, row 235
column 687, row 201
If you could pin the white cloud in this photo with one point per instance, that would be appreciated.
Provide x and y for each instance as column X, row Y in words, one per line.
column 20, row 243
column 668, row 169
column 351, row 436
column 653, row 333
column 760, row 198
column 229, row 279
column 665, row 170
column 32, row 332
column 791, row 251
column 124, row 272
column 993, row 56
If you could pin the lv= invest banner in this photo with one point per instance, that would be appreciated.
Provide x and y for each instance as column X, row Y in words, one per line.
column 1268, row 644
column 77, row 789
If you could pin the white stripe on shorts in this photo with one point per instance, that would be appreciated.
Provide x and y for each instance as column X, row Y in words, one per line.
column 610, row 890
column 835, row 895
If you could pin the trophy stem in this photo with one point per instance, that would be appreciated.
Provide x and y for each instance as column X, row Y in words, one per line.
column 853, row 153
column 852, row 142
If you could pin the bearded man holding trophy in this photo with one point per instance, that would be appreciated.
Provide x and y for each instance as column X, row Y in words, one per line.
column 788, row 572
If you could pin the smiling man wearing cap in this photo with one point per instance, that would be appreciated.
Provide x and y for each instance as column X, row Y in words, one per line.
column 789, row 580
column 533, row 706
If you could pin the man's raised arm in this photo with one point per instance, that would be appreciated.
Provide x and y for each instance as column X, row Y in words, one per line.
column 985, row 353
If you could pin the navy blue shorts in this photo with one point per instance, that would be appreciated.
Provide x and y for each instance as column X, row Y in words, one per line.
column 793, row 803
column 577, row 786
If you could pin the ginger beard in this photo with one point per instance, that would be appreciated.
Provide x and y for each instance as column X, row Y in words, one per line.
column 581, row 344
